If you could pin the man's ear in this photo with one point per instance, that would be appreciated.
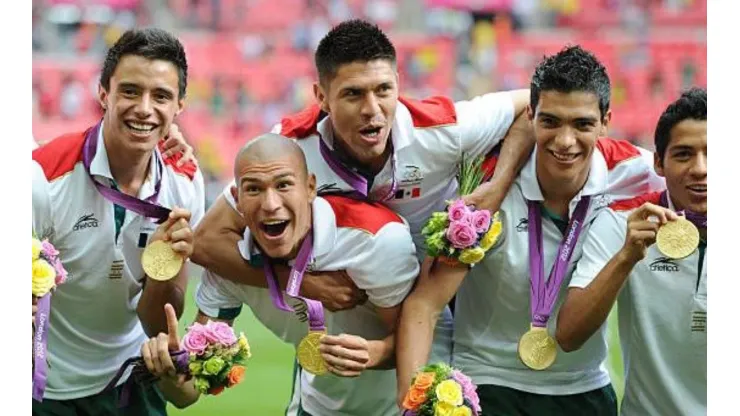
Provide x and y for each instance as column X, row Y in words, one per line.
column 605, row 124
column 321, row 97
column 311, row 187
column 658, row 164
column 102, row 97
column 235, row 193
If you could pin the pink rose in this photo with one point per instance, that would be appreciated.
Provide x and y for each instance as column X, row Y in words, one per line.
column 195, row 341
column 461, row 234
column 481, row 220
column 458, row 211
column 48, row 249
column 220, row 332
column 468, row 389
column 61, row 276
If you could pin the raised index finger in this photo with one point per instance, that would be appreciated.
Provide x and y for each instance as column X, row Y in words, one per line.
column 173, row 340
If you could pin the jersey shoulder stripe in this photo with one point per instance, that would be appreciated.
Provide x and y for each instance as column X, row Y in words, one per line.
column 616, row 151
column 367, row 216
column 636, row 202
column 434, row 111
column 60, row 155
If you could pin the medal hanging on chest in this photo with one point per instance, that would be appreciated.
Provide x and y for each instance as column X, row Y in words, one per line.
column 307, row 352
column 537, row 349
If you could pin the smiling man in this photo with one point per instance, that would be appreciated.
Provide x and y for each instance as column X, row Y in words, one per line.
column 503, row 334
column 288, row 224
column 662, row 301
column 95, row 194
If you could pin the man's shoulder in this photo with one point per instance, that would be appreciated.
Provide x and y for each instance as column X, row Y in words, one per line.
column 435, row 111
column 369, row 217
column 629, row 205
column 616, row 152
column 59, row 156
column 303, row 123
column 187, row 170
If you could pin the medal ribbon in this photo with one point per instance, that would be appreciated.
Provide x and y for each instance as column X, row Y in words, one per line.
column 146, row 208
column 354, row 179
column 699, row 220
column 543, row 295
column 314, row 308
column 140, row 374
column 39, row 347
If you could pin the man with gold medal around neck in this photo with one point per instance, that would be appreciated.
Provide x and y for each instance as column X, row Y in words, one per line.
column 288, row 224
column 101, row 197
column 659, row 282
column 504, row 329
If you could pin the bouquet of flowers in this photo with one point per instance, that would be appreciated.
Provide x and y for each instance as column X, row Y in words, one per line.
column 440, row 390
column 461, row 234
column 47, row 272
column 216, row 357
column 212, row 355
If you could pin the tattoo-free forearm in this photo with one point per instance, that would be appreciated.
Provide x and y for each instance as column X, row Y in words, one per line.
column 155, row 295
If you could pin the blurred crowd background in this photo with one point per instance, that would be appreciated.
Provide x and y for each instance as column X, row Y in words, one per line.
column 251, row 61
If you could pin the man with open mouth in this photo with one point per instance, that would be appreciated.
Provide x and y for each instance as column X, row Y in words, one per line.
column 662, row 310
column 288, row 224
column 503, row 335
column 96, row 197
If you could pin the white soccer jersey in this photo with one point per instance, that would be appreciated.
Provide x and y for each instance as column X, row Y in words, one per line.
column 662, row 319
column 94, row 326
column 493, row 303
column 374, row 246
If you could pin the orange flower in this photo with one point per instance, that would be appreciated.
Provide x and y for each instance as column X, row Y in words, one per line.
column 414, row 398
column 216, row 390
column 236, row 374
column 424, row 381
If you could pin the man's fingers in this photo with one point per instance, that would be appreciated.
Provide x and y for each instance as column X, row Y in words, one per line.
column 146, row 354
column 344, row 340
column 163, row 352
column 646, row 237
column 173, row 340
column 182, row 248
column 645, row 225
column 178, row 213
column 180, row 232
column 343, row 363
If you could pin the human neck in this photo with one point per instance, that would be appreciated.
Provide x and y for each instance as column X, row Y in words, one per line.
column 373, row 166
column 129, row 169
column 558, row 194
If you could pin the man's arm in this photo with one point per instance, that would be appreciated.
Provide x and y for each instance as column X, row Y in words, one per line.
column 586, row 308
column 437, row 284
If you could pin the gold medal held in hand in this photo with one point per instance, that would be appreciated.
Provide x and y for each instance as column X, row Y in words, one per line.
column 160, row 262
column 308, row 354
column 677, row 239
column 537, row 349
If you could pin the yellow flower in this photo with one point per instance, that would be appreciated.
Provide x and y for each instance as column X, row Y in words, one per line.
column 462, row 411
column 490, row 237
column 450, row 392
column 36, row 249
column 244, row 344
column 443, row 409
column 472, row 255
column 43, row 278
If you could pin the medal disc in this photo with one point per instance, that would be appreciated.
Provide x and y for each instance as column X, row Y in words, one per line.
column 160, row 262
column 678, row 239
column 308, row 354
column 537, row 349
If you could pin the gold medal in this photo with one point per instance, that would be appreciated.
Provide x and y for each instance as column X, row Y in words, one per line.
column 678, row 239
column 160, row 262
column 308, row 354
column 537, row 349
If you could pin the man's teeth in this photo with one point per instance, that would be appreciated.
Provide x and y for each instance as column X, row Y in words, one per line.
column 564, row 157
column 273, row 222
column 371, row 133
column 145, row 128
column 698, row 188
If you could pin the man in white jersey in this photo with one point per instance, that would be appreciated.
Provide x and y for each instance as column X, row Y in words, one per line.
column 573, row 172
column 277, row 197
column 365, row 139
column 96, row 197
column 662, row 301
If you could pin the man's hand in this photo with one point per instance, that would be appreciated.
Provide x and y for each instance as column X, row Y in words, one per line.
column 641, row 231
column 335, row 290
column 176, row 229
column 175, row 143
column 156, row 351
column 488, row 195
column 345, row 355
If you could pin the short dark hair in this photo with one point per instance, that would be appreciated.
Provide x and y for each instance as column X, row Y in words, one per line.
column 351, row 41
column 691, row 105
column 150, row 43
column 572, row 69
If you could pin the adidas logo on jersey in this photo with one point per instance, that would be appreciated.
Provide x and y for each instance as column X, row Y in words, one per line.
column 86, row 221
column 663, row 264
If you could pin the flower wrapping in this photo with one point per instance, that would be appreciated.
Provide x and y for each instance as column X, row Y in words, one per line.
column 47, row 272
column 463, row 234
column 440, row 390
